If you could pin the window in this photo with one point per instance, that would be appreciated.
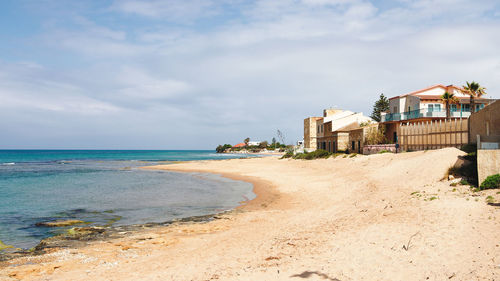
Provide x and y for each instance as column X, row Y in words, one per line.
column 466, row 107
column 432, row 107
column 395, row 109
column 453, row 108
column 353, row 145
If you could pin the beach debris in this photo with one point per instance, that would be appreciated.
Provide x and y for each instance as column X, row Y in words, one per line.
column 272, row 258
column 407, row 246
column 59, row 223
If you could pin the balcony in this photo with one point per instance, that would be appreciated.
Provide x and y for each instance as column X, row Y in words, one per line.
column 425, row 113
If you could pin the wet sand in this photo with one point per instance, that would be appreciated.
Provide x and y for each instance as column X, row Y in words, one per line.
column 379, row 217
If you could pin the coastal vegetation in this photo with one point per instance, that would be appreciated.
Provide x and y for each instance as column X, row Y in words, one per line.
column 381, row 105
column 221, row 148
column 376, row 135
column 247, row 147
column 491, row 182
column 475, row 91
column 449, row 99
column 317, row 154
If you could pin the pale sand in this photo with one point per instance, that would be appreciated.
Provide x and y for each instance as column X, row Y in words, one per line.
column 334, row 219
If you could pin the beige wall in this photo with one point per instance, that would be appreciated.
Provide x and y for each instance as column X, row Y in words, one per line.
column 331, row 111
column 486, row 124
column 342, row 141
column 310, row 132
column 488, row 163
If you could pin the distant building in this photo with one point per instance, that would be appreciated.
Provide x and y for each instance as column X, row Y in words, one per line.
column 330, row 132
column 240, row 145
column 254, row 143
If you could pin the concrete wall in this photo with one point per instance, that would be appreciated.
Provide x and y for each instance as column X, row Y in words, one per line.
column 412, row 103
column 488, row 163
column 486, row 124
column 394, row 103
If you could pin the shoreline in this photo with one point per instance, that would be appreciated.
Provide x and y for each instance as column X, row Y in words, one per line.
column 264, row 192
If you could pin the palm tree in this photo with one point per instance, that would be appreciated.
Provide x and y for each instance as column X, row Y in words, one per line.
column 475, row 91
column 448, row 99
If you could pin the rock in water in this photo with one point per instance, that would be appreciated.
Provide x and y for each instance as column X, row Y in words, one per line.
column 59, row 223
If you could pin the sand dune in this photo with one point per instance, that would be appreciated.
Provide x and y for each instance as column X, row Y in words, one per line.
column 379, row 217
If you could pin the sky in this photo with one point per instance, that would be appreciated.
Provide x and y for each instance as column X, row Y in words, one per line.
column 192, row 74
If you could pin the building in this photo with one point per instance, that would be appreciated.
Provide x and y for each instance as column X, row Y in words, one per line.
column 358, row 136
column 239, row 145
column 330, row 132
column 310, row 132
column 426, row 105
column 254, row 143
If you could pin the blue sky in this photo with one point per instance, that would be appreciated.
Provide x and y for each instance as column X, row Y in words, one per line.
column 192, row 74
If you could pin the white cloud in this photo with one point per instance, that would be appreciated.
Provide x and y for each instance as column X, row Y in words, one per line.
column 173, row 11
column 263, row 67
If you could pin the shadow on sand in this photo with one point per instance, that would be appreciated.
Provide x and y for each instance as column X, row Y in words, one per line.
column 307, row 274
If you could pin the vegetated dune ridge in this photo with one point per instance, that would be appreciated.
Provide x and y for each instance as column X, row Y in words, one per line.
column 379, row 217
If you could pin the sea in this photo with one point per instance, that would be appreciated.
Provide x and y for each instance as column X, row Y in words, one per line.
column 105, row 188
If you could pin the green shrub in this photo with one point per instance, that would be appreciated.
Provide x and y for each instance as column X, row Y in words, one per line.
column 320, row 153
column 384, row 151
column 471, row 147
column 491, row 182
column 288, row 154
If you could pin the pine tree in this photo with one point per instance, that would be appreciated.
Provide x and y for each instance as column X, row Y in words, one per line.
column 381, row 105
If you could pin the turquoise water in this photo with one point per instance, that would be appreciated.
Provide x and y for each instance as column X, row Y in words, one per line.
column 104, row 188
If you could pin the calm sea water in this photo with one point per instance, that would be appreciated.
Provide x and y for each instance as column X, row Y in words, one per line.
column 104, row 187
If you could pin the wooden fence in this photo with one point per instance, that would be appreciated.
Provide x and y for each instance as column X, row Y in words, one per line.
column 433, row 134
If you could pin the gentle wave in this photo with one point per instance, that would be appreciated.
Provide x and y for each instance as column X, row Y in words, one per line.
column 8, row 164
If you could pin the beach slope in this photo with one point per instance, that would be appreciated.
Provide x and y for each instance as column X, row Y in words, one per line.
column 379, row 217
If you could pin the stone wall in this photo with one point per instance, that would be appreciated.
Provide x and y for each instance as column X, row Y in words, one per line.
column 376, row 148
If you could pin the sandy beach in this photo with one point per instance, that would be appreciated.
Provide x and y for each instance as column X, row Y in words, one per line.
column 378, row 217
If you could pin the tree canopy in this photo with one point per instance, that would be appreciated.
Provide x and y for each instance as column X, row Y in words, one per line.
column 381, row 105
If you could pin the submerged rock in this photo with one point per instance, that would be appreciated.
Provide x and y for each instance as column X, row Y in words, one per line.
column 4, row 246
column 59, row 223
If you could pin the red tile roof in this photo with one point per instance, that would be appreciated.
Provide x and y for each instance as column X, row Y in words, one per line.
column 240, row 145
column 426, row 89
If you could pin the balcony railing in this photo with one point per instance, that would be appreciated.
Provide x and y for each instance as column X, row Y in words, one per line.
column 421, row 113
